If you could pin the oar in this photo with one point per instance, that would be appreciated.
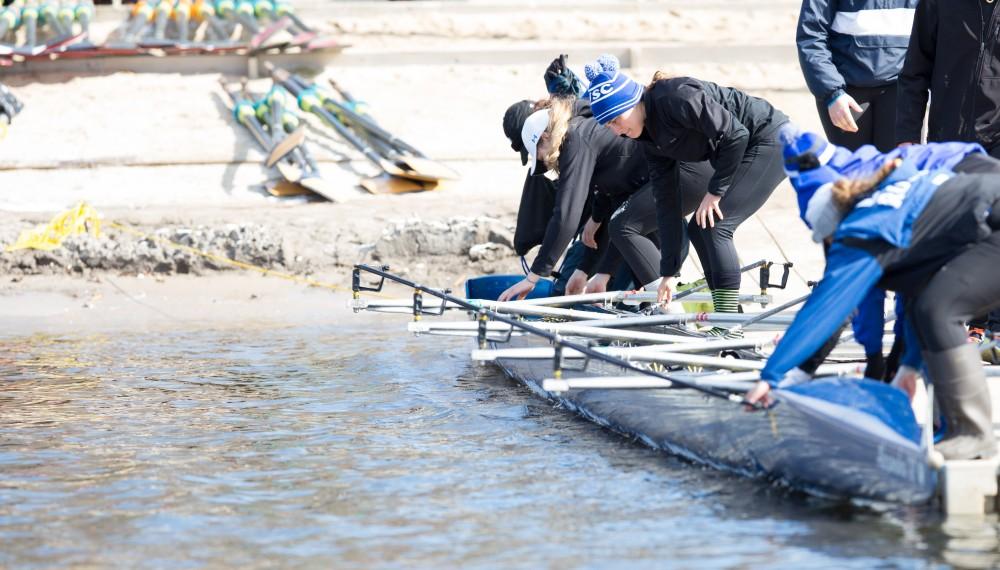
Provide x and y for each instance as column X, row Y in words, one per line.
column 395, row 165
column 182, row 18
column 246, row 115
column 281, row 120
column 468, row 329
column 9, row 20
column 303, row 33
column 629, row 298
column 361, row 119
column 547, row 353
column 686, row 318
column 204, row 12
column 773, row 311
column 734, row 381
column 555, row 338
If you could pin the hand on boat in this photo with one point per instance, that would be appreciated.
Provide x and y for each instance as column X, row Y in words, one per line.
column 518, row 290
column 761, row 392
column 906, row 380
column 589, row 236
column 598, row 283
column 708, row 211
column 665, row 293
column 577, row 283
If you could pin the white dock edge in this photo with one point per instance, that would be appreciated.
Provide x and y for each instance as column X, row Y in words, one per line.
column 970, row 487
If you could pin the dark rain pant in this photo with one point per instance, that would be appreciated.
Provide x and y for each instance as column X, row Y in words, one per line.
column 633, row 230
column 963, row 287
column 975, row 163
column 755, row 179
column 876, row 125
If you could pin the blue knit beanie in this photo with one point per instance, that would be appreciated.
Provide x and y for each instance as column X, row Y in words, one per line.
column 807, row 156
column 611, row 92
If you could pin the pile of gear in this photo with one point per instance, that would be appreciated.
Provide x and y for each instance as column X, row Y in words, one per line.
column 276, row 120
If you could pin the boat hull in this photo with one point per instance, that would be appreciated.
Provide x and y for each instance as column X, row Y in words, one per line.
column 815, row 440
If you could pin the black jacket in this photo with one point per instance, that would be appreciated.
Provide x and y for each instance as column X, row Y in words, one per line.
column 692, row 120
column 592, row 161
column 954, row 54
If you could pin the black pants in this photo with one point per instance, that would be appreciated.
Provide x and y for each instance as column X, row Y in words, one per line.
column 876, row 125
column 633, row 229
column 964, row 287
column 753, row 183
column 975, row 163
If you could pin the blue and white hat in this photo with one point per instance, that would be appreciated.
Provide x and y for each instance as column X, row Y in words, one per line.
column 804, row 150
column 611, row 92
column 807, row 156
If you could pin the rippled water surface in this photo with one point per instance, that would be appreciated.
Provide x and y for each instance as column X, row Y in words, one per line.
column 357, row 446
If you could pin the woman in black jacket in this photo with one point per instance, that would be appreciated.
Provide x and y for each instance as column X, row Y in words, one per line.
column 683, row 119
column 589, row 160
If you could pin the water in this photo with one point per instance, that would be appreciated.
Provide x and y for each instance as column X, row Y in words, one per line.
column 356, row 446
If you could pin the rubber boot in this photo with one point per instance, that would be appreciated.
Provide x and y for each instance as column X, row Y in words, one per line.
column 964, row 400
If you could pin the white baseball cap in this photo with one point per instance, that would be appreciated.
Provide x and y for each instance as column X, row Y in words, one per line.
column 531, row 132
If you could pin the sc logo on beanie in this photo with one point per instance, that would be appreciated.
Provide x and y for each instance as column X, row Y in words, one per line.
column 600, row 91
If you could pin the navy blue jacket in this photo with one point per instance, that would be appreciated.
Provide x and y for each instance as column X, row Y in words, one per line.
column 861, row 43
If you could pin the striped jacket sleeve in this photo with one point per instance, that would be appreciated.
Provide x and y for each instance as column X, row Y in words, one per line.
column 812, row 37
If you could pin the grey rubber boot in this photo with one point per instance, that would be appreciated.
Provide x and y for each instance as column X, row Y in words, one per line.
column 964, row 400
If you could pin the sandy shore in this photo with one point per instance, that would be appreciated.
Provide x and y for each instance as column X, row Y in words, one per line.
column 159, row 153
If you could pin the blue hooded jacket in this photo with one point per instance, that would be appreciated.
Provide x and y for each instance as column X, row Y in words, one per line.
column 852, row 42
column 851, row 274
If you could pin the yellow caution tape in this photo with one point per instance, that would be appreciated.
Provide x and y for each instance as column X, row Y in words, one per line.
column 78, row 220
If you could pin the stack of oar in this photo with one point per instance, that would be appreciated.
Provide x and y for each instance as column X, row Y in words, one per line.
column 275, row 122
column 403, row 167
column 212, row 25
column 34, row 28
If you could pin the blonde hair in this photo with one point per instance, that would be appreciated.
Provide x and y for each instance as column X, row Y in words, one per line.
column 659, row 76
column 560, row 112
column 847, row 192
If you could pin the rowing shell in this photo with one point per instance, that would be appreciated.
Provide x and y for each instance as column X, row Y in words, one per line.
column 834, row 438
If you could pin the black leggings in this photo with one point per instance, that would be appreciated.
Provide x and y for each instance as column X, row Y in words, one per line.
column 963, row 287
column 633, row 229
column 975, row 163
column 876, row 125
column 755, row 179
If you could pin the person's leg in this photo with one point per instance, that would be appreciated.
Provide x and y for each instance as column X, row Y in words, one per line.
column 882, row 111
column 973, row 164
column 960, row 289
column 629, row 228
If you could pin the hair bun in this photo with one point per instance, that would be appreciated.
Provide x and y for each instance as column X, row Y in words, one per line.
column 606, row 63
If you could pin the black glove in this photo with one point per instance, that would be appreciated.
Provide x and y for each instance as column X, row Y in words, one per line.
column 874, row 366
column 560, row 80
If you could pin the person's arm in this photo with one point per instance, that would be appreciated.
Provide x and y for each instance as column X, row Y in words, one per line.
column 911, row 345
column 576, row 166
column 869, row 327
column 533, row 212
column 915, row 77
column 812, row 38
column 670, row 222
column 602, row 208
column 702, row 112
column 850, row 274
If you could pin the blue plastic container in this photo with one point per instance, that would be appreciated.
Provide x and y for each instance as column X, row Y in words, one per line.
column 489, row 287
